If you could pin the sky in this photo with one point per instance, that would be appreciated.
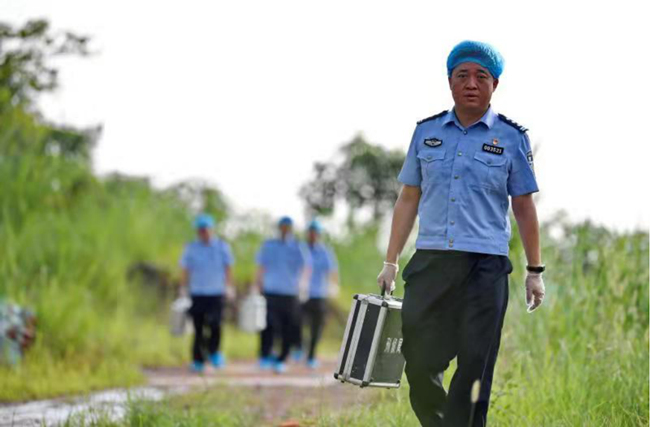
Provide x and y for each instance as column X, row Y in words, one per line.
column 248, row 95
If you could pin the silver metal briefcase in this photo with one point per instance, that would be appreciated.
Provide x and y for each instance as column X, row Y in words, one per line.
column 371, row 352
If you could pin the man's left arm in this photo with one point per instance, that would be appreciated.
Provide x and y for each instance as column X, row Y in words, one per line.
column 231, row 291
column 229, row 260
column 525, row 213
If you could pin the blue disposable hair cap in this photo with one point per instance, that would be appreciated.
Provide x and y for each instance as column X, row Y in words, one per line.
column 478, row 52
column 285, row 220
column 204, row 221
column 316, row 226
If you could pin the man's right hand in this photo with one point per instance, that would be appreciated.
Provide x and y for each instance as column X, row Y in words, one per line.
column 386, row 278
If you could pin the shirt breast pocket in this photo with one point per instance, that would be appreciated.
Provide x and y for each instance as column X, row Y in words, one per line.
column 490, row 171
column 431, row 163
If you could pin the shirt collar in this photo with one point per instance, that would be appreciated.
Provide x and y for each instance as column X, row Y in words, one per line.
column 290, row 238
column 488, row 118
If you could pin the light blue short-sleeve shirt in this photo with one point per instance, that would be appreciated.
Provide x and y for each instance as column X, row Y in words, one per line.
column 323, row 265
column 207, row 264
column 283, row 262
column 466, row 176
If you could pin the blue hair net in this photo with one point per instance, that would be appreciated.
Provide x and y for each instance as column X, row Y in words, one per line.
column 204, row 221
column 285, row 220
column 316, row 226
column 478, row 52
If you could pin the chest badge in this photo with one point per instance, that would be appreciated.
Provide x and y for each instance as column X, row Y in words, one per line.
column 495, row 141
column 493, row 149
column 432, row 142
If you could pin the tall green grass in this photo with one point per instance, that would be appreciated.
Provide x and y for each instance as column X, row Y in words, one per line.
column 65, row 253
column 580, row 360
column 68, row 240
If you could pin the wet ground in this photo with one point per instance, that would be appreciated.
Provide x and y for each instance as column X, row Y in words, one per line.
column 277, row 397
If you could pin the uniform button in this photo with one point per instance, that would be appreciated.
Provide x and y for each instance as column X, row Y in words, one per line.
column 452, row 222
column 453, row 199
column 464, row 132
column 460, row 153
column 451, row 245
column 456, row 177
column 451, row 241
column 428, row 157
column 489, row 162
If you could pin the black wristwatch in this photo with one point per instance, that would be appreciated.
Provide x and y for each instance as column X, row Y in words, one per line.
column 536, row 268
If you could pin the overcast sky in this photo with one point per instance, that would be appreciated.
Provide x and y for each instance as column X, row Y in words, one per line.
column 247, row 95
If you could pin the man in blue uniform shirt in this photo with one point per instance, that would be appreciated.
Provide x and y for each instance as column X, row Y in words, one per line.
column 206, row 265
column 322, row 284
column 283, row 266
column 462, row 170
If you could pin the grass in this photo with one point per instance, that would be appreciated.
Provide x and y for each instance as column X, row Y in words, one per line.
column 581, row 360
column 68, row 240
column 221, row 408
column 69, row 264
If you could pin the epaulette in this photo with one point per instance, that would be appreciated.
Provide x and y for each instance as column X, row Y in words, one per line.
column 512, row 123
column 442, row 113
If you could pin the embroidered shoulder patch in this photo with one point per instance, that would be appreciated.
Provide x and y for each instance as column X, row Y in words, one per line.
column 512, row 123
column 529, row 157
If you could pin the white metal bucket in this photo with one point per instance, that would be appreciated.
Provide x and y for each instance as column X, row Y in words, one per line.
column 252, row 313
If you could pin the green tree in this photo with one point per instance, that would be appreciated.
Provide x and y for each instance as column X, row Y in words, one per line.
column 42, row 165
column 26, row 71
column 365, row 178
column 25, row 56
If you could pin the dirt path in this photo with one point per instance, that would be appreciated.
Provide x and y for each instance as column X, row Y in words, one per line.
column 275, row 398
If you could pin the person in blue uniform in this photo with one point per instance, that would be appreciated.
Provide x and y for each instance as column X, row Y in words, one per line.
column 323, row 283
column 464, row 168
column 206, row 269
column 283, row 268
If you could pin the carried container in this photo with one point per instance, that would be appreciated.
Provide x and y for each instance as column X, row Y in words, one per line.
column 371, row 352
column 179, row 319
column 252, row 313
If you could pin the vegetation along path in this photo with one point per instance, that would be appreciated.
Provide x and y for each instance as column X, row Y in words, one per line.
column 274, row 398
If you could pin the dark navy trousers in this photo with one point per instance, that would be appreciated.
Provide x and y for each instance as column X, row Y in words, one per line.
column 282, row 320
column 313, row 314
column 206, row 311
column 454, row 306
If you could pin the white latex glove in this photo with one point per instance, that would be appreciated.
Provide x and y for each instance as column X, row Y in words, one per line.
column 303, row 287
column 334, row 290
column 386, row 278
column 534, row 291
column 231, row 293
column 303, row 294
column 183, row 291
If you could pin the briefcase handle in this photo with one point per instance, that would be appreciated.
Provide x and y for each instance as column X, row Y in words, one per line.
column 383, row 290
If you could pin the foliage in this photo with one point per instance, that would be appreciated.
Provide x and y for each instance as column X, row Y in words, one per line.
column 25, row 57
column 68, row 238
column 580, row 360
column 364, row 178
